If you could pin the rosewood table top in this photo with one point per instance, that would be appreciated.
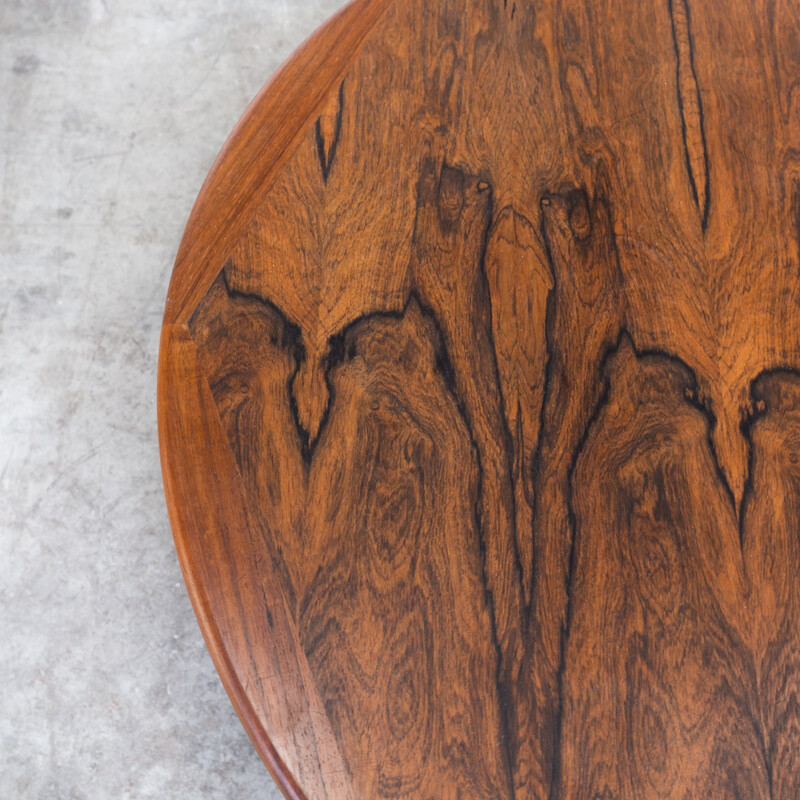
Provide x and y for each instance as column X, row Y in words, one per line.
column 479, row 403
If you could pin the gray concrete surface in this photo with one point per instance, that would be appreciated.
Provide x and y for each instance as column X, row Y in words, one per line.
column 111, row 112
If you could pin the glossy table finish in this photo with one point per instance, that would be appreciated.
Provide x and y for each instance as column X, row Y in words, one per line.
column 480, row 406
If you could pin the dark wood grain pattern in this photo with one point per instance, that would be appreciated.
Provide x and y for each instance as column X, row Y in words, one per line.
column 771, row 544
column 479, row 403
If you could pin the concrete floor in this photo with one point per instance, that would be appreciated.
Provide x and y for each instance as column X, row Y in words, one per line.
column 111, row 112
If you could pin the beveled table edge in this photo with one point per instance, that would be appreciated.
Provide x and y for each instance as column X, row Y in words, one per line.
column 262, row 141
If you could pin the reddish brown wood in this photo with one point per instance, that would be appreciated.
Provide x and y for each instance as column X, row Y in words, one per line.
column 259, row 145
column 237, row 587
column 479, row 403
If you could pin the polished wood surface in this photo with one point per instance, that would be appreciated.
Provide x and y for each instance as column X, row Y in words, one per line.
column 479, row 403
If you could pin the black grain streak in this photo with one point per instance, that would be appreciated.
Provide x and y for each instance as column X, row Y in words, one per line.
column 550, row 324
column 292, row 341
column 690, row 171
column 505, row 693
column 326, row 159
column 707, row 408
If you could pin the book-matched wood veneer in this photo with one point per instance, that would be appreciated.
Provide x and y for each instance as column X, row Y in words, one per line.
column 479, row 403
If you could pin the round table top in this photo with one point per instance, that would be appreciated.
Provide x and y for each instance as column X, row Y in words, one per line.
column 479, row 403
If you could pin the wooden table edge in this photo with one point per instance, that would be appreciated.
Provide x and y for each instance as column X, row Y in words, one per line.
column 171, row 452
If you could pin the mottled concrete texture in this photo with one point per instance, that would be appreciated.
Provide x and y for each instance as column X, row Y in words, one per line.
column 111, row 112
